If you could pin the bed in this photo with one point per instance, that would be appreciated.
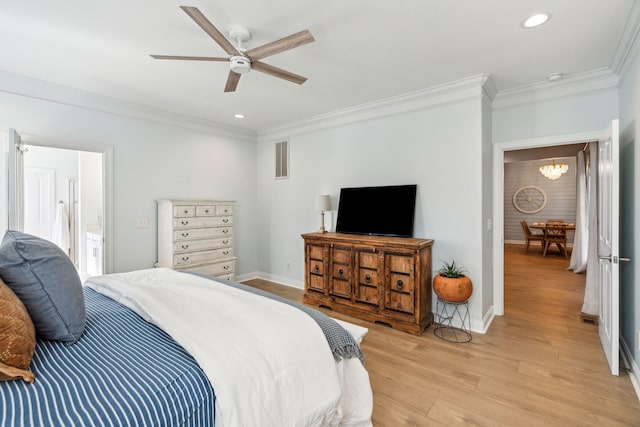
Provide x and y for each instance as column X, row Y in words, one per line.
column 162, row 347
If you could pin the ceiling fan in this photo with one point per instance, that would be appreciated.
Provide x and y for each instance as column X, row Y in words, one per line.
column 242, row 60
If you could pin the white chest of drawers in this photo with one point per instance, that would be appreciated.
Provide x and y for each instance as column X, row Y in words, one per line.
column 197, row 235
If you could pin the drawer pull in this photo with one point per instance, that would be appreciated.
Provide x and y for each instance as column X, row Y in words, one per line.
column 226, row 220
column 226, row 267
column 367, row 278
column 185, row 258
column 226, row 210
column 225, row 252
column 184, row 222
column 340, row 271
column 399, row 284
column 185, row 234
column 224, row 242
column 186, row 211
column 206, row 211
column 317, row 267
column 184, row 246
column 225, row 231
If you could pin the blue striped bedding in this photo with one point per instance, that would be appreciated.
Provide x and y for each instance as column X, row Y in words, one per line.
column 123, row 371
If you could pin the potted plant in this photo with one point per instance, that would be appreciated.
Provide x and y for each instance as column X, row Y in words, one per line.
column 450, row 283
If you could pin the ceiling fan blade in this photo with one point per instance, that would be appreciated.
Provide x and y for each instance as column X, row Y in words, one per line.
column 294, row 40
column 232, row 82
column 210, row 29
column 277, row 72
column 189, row 58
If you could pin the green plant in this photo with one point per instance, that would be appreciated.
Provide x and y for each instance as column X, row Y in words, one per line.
column 452, row 270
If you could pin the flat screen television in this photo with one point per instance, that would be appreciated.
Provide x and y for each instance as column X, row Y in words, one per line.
column 379, row 211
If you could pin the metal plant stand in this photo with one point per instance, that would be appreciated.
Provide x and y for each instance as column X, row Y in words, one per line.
column 448, row 314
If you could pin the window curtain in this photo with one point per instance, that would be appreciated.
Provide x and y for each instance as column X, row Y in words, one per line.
column 591, row 292
column 580, row 250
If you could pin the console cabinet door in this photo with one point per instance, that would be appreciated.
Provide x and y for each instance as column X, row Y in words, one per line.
column 341, row 258
column 317, row 267
column 400, row 283
column 369, row 276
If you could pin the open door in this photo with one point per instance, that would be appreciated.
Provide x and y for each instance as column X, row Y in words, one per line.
column 15, row 207
column 608, row 245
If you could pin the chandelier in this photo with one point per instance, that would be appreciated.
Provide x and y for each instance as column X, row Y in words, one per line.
column 554, row 171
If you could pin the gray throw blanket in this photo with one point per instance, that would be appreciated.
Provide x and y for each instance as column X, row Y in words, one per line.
column 342, row 344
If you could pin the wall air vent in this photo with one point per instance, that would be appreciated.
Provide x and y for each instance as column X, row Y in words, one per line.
column 282, row 159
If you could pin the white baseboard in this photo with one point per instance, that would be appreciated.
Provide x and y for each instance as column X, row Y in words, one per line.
column 272, row 278
column 634, row 373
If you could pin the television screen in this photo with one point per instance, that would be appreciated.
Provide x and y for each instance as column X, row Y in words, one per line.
column 381, row 211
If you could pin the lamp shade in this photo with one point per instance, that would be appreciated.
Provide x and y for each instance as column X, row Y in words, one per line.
column 323, row 203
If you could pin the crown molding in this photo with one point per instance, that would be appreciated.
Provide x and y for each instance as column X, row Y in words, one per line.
column 455, row 91
column 590, row 81
column 628, row 44
column 51, row 92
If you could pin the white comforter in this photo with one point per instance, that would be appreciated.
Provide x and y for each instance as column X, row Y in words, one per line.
column 268, row 362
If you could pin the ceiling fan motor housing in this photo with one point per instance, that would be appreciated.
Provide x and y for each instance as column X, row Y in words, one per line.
column 240, row 64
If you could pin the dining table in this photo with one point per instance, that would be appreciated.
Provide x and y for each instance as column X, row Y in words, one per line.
column 568, row 226
column 543, row 225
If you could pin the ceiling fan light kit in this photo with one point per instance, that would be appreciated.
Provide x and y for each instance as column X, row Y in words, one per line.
column 241, row 61
column 240, row 64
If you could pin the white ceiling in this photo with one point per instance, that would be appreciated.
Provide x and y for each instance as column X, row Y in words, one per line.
column 365, row 50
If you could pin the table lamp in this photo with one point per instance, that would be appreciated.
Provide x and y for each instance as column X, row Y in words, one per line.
column 323, row 204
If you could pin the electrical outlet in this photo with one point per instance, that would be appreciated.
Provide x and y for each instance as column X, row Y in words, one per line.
column 142, row 223
column 288, row 265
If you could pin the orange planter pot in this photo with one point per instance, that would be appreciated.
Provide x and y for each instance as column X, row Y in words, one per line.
column 450, row 289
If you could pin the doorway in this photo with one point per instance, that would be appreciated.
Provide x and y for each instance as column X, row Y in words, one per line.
column 82, row 177
column 538, row 283
column 63, row 202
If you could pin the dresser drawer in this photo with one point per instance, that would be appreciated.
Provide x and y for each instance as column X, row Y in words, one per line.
column 316, row 267
column 368, row 277
column 206, row 210
column 224, row 209
column 401, row 283
column 200, row 245
column 181, row 211
column 226, row 267
column 196, row 222
column 200, row 233
column 191, row 258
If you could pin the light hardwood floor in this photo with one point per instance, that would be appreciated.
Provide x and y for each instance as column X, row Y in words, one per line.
column 538, row 365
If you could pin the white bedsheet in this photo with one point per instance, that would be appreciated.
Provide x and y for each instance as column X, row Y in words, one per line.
column 268, row 362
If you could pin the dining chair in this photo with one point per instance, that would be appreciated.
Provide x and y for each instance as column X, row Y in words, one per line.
column 555, row 234
column 531, row 237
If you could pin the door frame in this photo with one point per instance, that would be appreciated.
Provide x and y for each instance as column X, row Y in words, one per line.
column 498, row 197
column 107, row 186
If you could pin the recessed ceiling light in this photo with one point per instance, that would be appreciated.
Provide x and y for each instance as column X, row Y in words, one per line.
column 239, row 116
column 536, row 20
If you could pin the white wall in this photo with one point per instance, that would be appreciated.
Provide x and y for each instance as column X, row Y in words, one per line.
column 439, row 149
column 630, row 212
column 557, row 116
column 151, row 161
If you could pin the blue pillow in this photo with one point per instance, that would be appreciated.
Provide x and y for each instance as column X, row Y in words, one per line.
column 47, row 282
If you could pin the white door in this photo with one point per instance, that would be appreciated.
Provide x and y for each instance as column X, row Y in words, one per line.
column 608, row 246
column 39, row 204
column 15, row 206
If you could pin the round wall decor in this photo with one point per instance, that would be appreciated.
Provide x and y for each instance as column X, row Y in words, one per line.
column 529, row 199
